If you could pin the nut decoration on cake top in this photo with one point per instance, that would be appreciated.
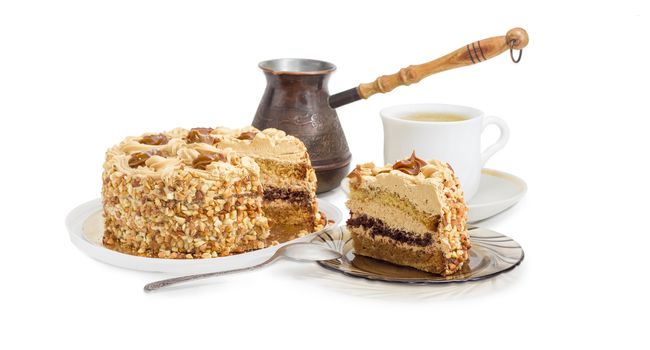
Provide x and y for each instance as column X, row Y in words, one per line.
column 161, row 153
column 269, row 143
column 134, row 158
column 428, row 184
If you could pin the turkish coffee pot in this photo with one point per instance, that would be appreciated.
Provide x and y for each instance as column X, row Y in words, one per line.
column 297, row 101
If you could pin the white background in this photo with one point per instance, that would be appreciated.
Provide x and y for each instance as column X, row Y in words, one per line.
column 76, row 77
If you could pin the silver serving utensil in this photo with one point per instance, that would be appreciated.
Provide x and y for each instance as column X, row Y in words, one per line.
column 300, row 251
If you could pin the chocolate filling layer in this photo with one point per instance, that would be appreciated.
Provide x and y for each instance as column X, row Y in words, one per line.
column 297, row 197
column 379, row 228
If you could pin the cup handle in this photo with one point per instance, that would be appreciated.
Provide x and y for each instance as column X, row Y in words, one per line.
column 501, row 142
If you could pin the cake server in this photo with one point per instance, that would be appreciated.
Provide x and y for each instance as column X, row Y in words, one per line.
column 300, row 251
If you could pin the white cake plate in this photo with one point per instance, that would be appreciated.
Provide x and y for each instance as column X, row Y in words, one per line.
column 497, row 192
column 86, row 228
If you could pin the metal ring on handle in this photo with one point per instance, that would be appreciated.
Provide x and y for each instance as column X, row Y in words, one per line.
column 512, row 56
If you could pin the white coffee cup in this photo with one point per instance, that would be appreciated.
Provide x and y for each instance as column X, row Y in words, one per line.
column 455, row 142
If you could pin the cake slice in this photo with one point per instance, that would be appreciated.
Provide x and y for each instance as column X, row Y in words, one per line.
column 411, row 213
column 165, row 198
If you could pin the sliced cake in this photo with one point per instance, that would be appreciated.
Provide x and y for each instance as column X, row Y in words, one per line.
column 288, row 179
column 164, row 198
column 411, row 213
column 207, row 192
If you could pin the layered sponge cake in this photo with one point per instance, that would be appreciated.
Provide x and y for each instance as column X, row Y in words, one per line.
column 288, row 179
column 411, row 213
column 181, row 201
column 207, row 192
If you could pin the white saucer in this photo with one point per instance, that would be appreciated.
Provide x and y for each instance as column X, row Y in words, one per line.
column 86, row 228
column 497, row 192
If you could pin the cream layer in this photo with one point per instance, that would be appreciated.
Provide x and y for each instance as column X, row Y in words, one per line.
column 288, row 183
column 391, row 216
column 426, row 196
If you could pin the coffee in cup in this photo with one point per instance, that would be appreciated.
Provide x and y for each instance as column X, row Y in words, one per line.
column 434, row 117
column 448, row 133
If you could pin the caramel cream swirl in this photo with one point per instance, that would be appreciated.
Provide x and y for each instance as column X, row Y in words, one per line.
column 411, row 165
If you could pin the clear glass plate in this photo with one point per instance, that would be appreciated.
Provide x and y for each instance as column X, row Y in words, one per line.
column 492, row 253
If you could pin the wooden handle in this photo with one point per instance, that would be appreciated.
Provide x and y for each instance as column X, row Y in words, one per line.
column 475, row 52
